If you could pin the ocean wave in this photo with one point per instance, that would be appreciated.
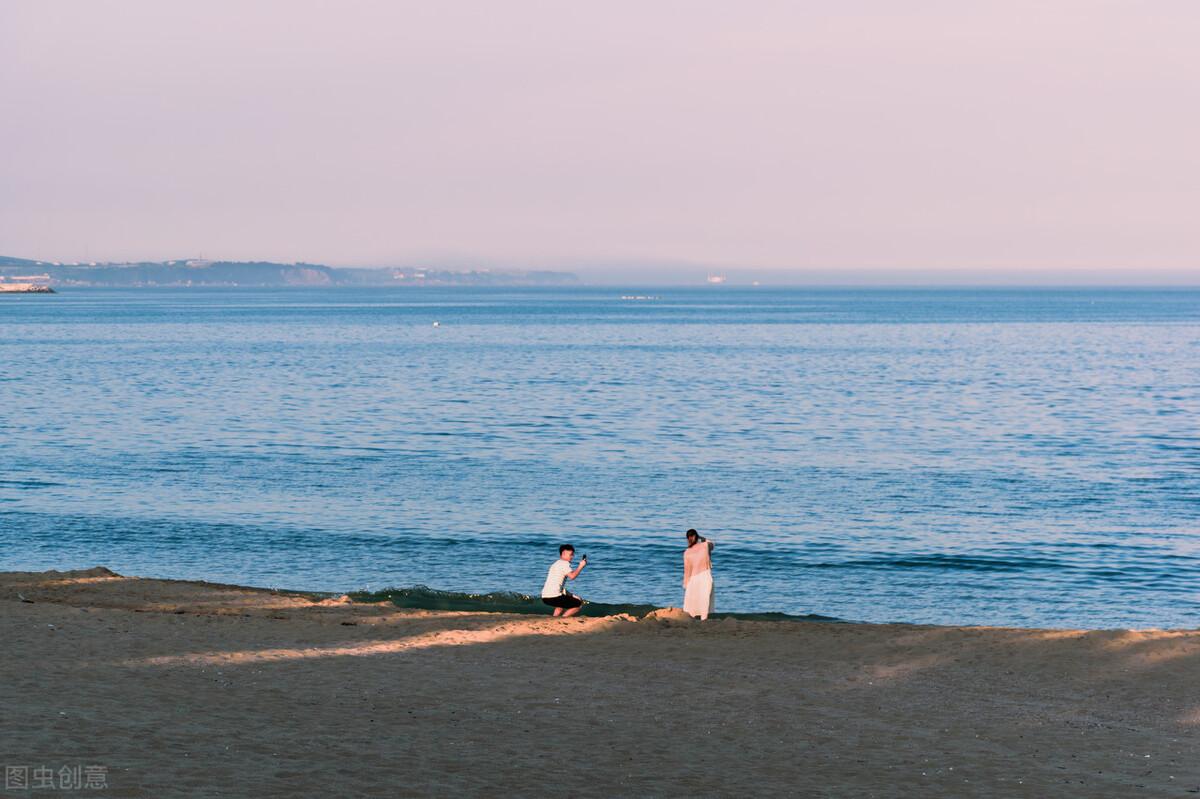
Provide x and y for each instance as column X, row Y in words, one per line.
column 947, row 562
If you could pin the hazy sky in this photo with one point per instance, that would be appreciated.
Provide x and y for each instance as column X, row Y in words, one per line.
column 1011, row 137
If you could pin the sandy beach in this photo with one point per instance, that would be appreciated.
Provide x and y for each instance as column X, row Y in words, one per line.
column 194, row 689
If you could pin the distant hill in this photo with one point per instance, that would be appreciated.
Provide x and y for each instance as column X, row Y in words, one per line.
column 196, row 272
column 6, row 260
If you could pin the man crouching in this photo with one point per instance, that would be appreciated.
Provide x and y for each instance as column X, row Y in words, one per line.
column 554, row 592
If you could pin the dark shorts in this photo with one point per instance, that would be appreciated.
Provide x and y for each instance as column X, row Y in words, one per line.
column 564, row 601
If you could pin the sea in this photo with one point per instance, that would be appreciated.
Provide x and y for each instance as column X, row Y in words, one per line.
column 1000, row 456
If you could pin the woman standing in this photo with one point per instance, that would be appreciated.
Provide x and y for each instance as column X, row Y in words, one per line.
column 697, row 576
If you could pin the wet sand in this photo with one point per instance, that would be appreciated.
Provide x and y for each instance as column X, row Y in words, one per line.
column 193, row 689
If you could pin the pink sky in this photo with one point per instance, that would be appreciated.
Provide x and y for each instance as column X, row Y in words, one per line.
column 1014, row 138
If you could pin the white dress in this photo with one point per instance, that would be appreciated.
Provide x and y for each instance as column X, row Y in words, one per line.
column 698, row 590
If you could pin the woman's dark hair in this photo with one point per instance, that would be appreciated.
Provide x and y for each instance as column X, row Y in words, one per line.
column 565, row 547
column 693, row 534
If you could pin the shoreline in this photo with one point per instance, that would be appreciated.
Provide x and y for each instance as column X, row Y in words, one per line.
column 423, row 597
column 185, row 688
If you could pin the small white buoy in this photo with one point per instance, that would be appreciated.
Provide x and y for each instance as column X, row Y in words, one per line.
column 437, row 324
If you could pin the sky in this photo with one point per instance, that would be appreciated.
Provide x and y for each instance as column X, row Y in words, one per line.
column 1006, row 140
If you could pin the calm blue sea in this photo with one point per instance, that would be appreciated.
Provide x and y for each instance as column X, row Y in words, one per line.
column 1017, row 457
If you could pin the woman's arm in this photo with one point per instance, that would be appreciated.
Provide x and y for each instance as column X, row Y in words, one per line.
column 710, row 545
column 687, row 570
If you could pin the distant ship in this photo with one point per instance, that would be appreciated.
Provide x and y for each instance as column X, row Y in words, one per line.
column 714, row 279
column 24, row 288
column 25, row 284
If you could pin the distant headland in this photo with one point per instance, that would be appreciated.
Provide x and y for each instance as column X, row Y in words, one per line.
column 39, row 276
